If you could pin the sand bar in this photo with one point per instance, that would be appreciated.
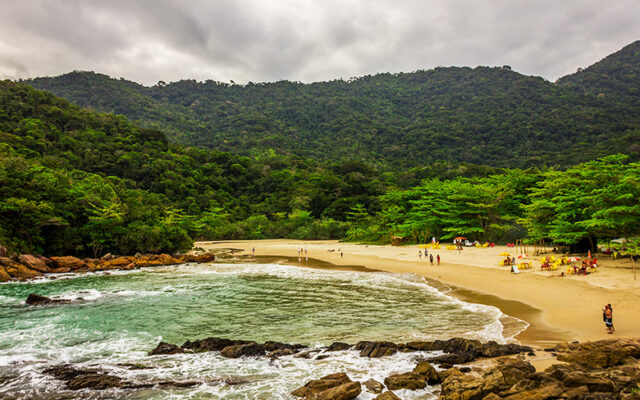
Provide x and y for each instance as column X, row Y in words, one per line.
column 558, row 308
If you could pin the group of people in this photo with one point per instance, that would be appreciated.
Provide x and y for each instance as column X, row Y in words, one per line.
column 428, row 256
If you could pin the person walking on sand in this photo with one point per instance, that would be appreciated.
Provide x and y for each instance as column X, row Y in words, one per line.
column 341, row 255
column 438, row 258
column 431, row 258
column 420, row 254
column 607, row 315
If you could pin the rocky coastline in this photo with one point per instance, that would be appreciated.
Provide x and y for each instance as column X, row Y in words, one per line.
column 26, row 266
column 602, row 370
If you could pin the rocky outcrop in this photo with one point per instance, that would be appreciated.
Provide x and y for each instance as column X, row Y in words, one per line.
column 373, row 386
column 460, row 351
column 606, row 369
column 26, row 266
column 407, row 380
column 376, row 349
column 230, row 348
column 166, row 348
column 331, row 387
column 339, row 346
column 37, row 300
column 387, row 396
column 68, row 263
column 427, row 371
column 33, row 262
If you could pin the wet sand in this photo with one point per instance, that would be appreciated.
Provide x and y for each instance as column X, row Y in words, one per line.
column 556, row 308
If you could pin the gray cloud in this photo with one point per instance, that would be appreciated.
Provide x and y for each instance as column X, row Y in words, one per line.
column 306, row 40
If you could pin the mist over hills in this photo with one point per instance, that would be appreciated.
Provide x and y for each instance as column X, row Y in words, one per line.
column 484, row 115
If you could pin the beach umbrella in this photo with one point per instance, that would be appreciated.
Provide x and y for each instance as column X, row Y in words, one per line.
column 523, row 256
column 461, row 238
column 573, row 259
column 505, row 254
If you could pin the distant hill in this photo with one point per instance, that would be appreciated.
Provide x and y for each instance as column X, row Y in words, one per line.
column 491, row 116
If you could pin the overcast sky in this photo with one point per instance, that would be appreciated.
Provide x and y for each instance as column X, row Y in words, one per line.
column 241, row 40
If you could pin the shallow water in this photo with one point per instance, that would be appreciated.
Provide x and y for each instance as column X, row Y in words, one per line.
column 118, row 318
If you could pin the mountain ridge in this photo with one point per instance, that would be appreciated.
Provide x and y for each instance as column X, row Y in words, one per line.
column 483, row 115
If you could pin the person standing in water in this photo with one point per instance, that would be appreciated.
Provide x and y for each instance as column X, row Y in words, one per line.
column 438, row 258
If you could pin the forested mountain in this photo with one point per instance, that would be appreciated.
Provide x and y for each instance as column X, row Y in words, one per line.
column 490, row 116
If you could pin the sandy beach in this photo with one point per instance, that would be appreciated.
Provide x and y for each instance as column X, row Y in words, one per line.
column 557, row 308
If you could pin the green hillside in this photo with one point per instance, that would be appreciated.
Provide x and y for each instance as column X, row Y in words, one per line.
column 491, row 116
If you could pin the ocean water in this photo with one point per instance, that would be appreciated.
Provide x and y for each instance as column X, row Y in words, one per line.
column 116, row 319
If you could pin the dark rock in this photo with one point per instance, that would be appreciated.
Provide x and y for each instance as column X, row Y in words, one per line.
column 322, row 356
column 166, row 348
column 450, row 359
column 67, row 372
column 239, row 350
column 307, row 354
column 212, row 344
column 94, row 381
column 408, row 380
column 37, row 300
column 374, row 386
column 339, row 346
column 465, row 369
column 376, row 349
column 421, row 346
column 270, row 346
column 69, row 262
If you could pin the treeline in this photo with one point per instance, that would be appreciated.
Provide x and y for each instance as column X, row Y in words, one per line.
column 591, row 202
column 395, row 122
column 78, row 182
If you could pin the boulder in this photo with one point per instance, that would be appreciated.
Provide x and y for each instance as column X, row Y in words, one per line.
column 19, row 271
column 339, row 346
column 376, row 349
column 211, row 344
column 428, row 372
column 107, row 257
column 593, row 382
column 239, row 350
column 4, row 275
column 420, row 346
column 270, row 346
column 95, row 382
column 37, row 300
column 166, row 348
column 387, row 396
column 602, row 353
column 346, row 391
column 408, row 380
column 374, row 386
column 119, row 262
column 33, row 262
column 316, row 386
column 70, row 262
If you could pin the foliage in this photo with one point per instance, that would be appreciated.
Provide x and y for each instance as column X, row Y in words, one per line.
column 397, row 122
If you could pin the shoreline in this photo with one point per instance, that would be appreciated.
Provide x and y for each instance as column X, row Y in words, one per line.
column 556, row 309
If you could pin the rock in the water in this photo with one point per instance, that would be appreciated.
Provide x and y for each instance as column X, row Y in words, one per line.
column 376, row 349
column 33, row 262
column 408, row 380
column 37, row 300
column 211, row 344
column 374, row 386
column 240, row 350
column 339, row 346
column 17, row 270
column 72, row 263
column 428, row 372
column 316, row 386
column 387, row 396
column 166, row 348
column 346, row 391
column 94, row 381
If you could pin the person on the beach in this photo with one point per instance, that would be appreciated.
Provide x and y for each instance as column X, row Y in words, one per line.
column 420, row 254
column 438, row 258
column 431, row 258
column 607, row 315
column 341, row 255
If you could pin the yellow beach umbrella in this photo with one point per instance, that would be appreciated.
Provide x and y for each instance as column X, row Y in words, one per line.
column 505, row 254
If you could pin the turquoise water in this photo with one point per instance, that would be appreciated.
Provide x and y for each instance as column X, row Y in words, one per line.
column 117, row 318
